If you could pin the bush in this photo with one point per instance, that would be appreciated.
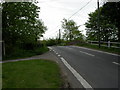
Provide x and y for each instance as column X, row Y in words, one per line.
column 41, row 50
column 51, row 42
column 21, row 53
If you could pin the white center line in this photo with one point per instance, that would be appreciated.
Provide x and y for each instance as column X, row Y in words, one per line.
column 59, row 55
column 87, row 53
column 77, row 75
column 116, row 63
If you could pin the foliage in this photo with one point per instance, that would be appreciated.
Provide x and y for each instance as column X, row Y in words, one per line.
column 112, row 11
column 108, row 29
column 21, row 53
column 21, row 26
column 71, row 30
column 51, row 42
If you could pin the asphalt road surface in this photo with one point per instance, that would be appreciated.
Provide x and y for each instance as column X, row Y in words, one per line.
column 92, row 68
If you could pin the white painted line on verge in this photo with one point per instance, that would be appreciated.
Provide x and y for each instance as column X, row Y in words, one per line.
column 98, row 51
column 87, row 53
column 77, row 75
column 116, row 63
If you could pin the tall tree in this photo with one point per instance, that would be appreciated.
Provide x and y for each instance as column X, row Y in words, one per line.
column 71, row 30
column 108, row 30
column 112, row 11
column 20, row 23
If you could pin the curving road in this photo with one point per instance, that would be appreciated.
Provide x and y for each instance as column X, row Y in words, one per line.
column 91, row 68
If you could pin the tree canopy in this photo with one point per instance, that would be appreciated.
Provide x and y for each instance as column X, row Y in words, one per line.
column 112, row 11
column 21, row 23
column 71, row 30
column 109, row 30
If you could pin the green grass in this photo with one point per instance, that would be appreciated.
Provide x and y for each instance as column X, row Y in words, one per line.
column 102, row 48
column 31, row 74
column 20, row 53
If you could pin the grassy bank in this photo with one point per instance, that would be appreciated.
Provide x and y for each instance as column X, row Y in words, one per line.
column 31, row 74
column 88, row 45
column 102, row 48
column 21, row 53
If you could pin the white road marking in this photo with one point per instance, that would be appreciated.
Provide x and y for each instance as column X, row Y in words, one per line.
column 87, row 53
column 59, row 55
column 50, row 48
column 77, row 75
column 116, row 63
column 97, row 51
column 56, row 53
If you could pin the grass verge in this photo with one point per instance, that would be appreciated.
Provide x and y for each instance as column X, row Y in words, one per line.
column 102, row 48
column 31, row 74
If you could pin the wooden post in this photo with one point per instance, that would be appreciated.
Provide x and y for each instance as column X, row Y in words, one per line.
column 108, row 44
column 98, row 23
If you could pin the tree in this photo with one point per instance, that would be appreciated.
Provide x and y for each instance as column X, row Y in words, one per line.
column 20, row 24
column 112, row 11
column 108, row 30
column 71, row 30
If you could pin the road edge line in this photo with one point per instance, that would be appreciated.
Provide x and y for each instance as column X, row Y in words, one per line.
column 77, row 75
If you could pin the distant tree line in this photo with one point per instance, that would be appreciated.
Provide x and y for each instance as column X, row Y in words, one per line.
column 109, row 23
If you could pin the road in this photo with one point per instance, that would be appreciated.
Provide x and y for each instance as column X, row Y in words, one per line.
column 91, row 68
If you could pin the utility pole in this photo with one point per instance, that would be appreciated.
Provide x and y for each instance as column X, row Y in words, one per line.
column 70, row 35
column 3, row 47
column 98, row 26
column 59, row 35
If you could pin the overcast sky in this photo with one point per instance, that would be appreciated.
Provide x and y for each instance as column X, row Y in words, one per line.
column 52, row 13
